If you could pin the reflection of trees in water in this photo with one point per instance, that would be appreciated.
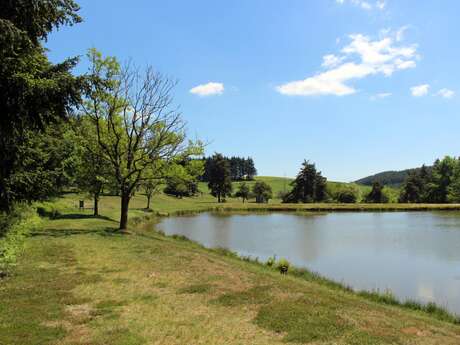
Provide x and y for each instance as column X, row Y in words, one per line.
column 220, row 229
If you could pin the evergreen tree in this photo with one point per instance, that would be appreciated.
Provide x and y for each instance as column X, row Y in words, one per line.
column 220, row 182
column 414, row 189
column 308, row 186
column 377, row 195
column 33, row 91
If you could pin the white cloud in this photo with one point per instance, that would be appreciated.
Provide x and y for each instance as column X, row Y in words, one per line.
column 446, row 93
column 420, row 90
column 366, row 5
column 381, row 95
column 361, row 58
column 209, row 89
column 400, row 33
column 331, row 60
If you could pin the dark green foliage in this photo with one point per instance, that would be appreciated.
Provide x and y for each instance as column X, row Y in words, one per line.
column 437, row 184
column 243, row 191
column 347, row 196
column 415, row 187
column 441, row 178
column 45, row 163
column 388, row 178
column 308, row 186
column 262, row 191
column 33, row 91
column 240, row 168
column 220, row 182
column 377, row 194
column 180, row 187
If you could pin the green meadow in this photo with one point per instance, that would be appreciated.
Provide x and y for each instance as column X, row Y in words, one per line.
column 80, row 281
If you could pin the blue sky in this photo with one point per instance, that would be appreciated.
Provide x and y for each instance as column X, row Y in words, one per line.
column 355, row 86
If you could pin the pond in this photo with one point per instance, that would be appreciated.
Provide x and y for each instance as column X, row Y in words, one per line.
column 415, row 255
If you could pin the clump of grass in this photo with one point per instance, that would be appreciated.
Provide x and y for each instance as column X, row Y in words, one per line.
column 283, row 266
column 195, row 289
column 271, row 261
column 430, row 308
column 302, row 320
column 254, row 295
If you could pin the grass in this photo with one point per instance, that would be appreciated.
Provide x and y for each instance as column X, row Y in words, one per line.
column 81, row 282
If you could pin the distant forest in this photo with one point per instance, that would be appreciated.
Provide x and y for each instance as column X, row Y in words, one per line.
column 389, row 178
column 240, row 168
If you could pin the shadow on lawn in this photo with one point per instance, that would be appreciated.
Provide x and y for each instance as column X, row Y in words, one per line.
column 82, row 216
column 107, row 231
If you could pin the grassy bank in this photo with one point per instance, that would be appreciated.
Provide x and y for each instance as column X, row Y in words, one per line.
column 80, row 282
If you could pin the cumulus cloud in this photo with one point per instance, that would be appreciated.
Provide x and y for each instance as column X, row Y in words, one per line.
column 209, row 89
column 420, row 90
column 361, row 58
column 364, row 4
column 446, row 93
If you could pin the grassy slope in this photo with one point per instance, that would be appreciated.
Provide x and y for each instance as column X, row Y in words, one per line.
column 79, row 282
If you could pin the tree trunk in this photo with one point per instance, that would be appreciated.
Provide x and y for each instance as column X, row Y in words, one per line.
column 148, row 201
column 96, row 204
column 218, row 197
column 124, row 210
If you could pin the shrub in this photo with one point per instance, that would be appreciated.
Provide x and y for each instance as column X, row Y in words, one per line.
column 347, row 196
column 17, row 224
column 283, row 266
column 271, row 261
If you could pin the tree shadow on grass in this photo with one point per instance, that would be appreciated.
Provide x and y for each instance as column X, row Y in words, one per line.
column 107, row 231
column 82, row 216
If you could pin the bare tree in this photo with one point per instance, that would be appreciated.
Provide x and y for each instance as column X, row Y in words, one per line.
column 136, row 125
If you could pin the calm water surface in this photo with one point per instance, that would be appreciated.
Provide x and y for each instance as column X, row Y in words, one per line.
column 416, row 255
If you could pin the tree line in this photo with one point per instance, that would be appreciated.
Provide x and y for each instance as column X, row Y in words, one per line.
column 439, row 183
column 240, row 168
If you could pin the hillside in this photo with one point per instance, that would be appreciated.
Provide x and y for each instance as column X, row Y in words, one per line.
column 388, row 178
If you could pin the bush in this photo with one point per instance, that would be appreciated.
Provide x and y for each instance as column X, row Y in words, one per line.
column 347, row 196
column 17, row 225
column 283, row 266
column 271, row 261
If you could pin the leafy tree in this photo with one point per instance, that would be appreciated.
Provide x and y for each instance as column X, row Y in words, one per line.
column 454, row 187
column 377, row 194
column 182, row 179
column 441, row 176
column 220, row 182
column 33, row 92
column 135, row 123
column 94, row 169
column 243, row 191
column 308, row 186
column 262, row 191
column 415, row 186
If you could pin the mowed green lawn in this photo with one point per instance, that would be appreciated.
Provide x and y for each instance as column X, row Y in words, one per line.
column 81, row 282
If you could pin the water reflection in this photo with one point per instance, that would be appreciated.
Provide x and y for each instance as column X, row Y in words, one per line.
column 414, row 254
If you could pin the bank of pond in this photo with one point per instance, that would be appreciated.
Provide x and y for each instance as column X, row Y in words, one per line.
column 413, row 257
